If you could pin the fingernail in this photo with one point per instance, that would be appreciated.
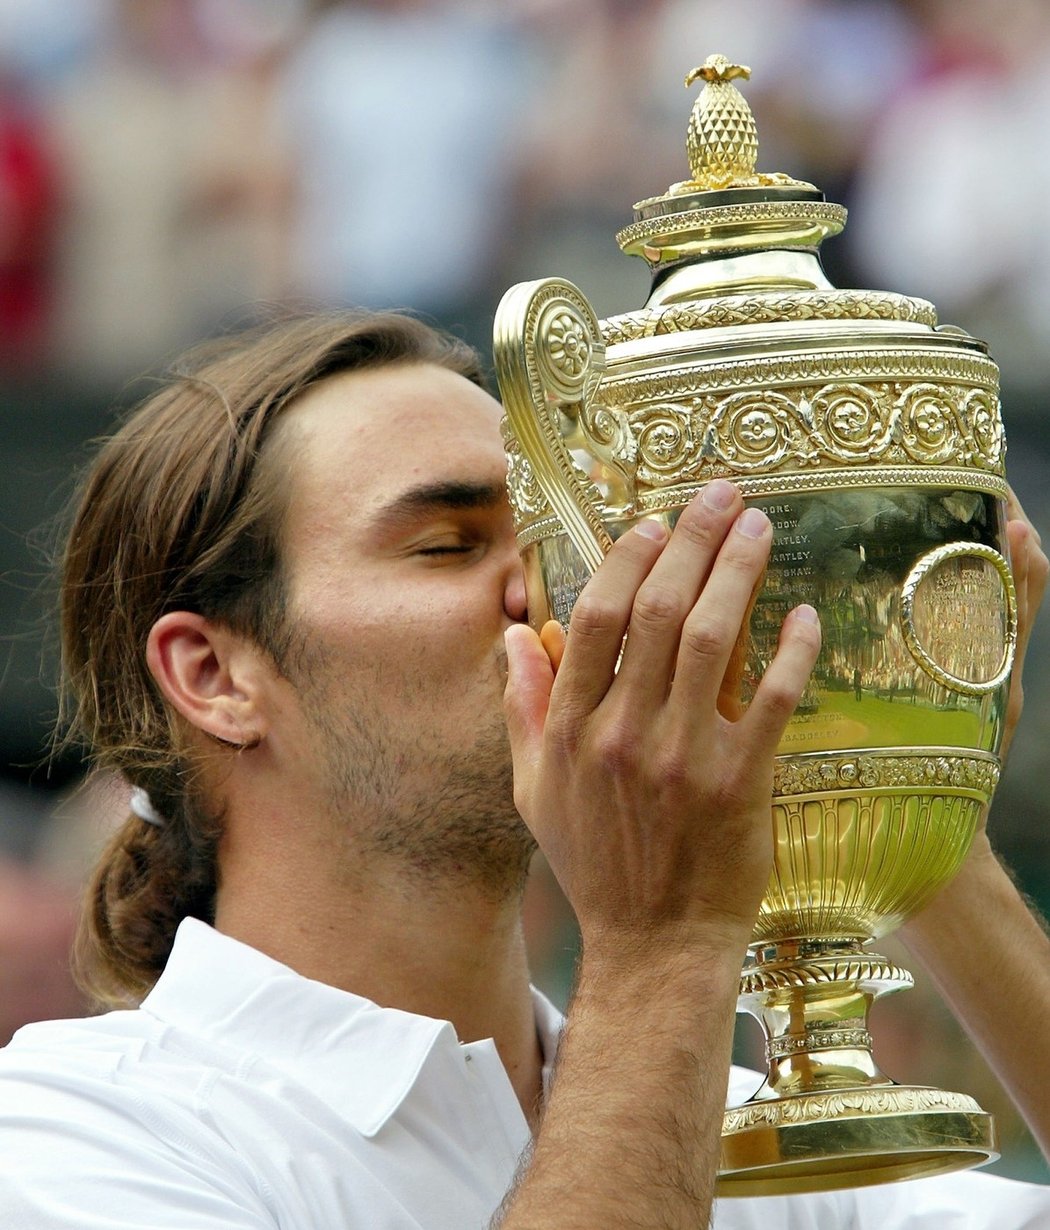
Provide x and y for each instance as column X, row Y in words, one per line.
column 807, row 614
column 515, row 638
column 752, row 523
column 718, row 494
column 656, row 530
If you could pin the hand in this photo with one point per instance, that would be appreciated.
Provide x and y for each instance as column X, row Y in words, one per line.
column 1030, row 568
column 653, row 808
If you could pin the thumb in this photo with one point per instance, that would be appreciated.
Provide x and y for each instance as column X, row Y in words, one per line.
column 530, row 677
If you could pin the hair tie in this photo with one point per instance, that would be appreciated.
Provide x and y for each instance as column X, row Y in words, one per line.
column 142, row 806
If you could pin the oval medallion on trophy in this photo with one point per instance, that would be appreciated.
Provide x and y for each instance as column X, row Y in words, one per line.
column 959, row 615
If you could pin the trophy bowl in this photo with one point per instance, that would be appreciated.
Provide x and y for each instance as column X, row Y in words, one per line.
column 872, row 437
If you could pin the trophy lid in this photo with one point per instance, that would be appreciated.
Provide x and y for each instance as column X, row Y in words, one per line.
column 743, row 363
column 727, row 205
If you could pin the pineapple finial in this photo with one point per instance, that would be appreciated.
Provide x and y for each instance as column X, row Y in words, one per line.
column 722, row 141
column 727, row 206
column 718, row 68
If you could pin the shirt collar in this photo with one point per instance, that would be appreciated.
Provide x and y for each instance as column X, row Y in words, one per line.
column 355, row 1055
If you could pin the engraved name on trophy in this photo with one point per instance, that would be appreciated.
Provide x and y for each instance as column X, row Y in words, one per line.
column 872, row 437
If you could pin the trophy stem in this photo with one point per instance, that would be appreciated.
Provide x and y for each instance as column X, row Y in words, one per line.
column 812, row 998
column 826, row 1117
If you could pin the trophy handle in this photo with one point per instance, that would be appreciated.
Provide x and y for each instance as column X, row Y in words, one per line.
column 549, row 358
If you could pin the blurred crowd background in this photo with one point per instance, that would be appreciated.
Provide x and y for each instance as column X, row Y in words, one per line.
column 170, row 169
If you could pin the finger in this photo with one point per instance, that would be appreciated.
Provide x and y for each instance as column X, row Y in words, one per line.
column 552, row 637
column 600, row 618
column 713, row 628
column 1018, row 540
column 1030, row 569
column 1038, row 575
column 784, row 681
column 730, row 702
column 671, row 589
column 1015, row 512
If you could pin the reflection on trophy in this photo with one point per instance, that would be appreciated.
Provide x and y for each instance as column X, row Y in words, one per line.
column 872, row 438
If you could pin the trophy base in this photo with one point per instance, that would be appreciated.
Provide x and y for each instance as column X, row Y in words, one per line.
column 850, row 1138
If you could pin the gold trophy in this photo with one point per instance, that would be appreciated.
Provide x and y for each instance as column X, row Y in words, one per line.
column 872, row 438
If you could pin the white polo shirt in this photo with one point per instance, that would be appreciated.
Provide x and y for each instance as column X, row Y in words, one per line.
column 241, row 1096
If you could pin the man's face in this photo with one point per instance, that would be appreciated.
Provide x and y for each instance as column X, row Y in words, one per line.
column 401, row 575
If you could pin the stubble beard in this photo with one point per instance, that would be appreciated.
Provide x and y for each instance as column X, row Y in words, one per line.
column 447, row 817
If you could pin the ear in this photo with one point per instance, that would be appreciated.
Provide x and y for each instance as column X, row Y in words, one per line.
column 210, row 674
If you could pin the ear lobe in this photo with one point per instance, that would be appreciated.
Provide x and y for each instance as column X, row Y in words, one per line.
column 204, row 672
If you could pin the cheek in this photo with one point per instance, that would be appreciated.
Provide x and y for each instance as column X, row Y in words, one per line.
column 387, row 645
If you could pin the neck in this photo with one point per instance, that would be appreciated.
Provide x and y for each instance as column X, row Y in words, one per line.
column 448, row 951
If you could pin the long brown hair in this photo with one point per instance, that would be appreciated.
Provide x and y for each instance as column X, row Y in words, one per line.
column 180, row 510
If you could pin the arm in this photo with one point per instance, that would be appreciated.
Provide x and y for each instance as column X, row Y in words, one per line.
column 653, row 811
column 990, row 959
column 985, row 950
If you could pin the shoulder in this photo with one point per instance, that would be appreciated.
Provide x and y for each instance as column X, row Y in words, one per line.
column 85, row 1101
column 118, row 1052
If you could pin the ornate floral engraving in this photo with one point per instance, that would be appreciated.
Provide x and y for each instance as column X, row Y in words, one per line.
column 927, row 426
column 562, row 348
column 793, row 775
column 537, row 531
column 982, row 425
column 608, row 428
column 568, row 345
column 665, row 438
column 662, row 499
column 527, row 500
column 817, row 1040
column 869, row 968
column 852, row 420
column 755, row 431
column 767, row 308
column 539, row 391
column 809, row 427
column 814, row 1107
column 829, row 216
column 683, row 380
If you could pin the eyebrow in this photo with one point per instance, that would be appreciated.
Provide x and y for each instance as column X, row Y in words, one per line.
column 429, row 498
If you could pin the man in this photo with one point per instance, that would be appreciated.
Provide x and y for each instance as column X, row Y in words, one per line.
column 287, row 591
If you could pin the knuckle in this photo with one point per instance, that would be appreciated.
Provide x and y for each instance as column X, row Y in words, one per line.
column 780, row 699
column 657, row 605
column 746, row 556
column 806, row 634
column 593, row 617
column 676, row 772
column 701, row 525
column 705, row 639
column 617, row 750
